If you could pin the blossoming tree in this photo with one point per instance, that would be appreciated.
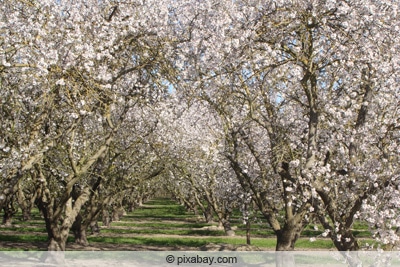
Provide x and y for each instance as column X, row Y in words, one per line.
column 73, row 72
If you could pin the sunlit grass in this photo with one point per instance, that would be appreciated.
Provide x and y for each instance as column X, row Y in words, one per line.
column 25, row 229
column 182, row 241
column 23, row 238
column 168, row 231
column 161, row 217
column 265, row 243
column 159, row 224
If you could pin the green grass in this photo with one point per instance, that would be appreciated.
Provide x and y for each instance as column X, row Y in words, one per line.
column 23, row 238
column 27, row 238
column 182, row 241
column 160, row 209
column 166, row 231
column 166, row 217
column 25, row 229
column 268, row 243
column 159, row 224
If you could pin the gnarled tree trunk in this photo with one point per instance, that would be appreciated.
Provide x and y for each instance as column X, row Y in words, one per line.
column 106, row 218
column 285, row 242
column 79, row 230
column 60, row 218
column 227, row 226
column 9, row 211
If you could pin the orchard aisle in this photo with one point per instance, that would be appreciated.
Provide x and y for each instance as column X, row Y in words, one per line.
column 162, row 224
column 158, row 225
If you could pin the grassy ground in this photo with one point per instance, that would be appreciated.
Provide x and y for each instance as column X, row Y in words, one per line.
column 161, row 224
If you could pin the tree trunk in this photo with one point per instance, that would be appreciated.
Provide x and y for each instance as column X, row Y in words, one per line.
column 131, row 206
column 227, row 225
column 94, row 227
column 106, row 218
column 248, row 227
column 57, row 235
column 91, row 220
column 55, row 255
column 83, row 223
column 347, row 243
column 209, row 214
column 7, row 217
column 286, row 239
column 59, row 218
column 57, row 244
column 140, row 201
column 118, row 213
column 79, row 230
column 26, row 201
column 227, row 228
column 196, row 211
column 81, row 237
column 343, row 237
column 26, row 214
column 9, row 211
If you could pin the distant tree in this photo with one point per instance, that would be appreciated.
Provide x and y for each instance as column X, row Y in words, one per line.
column 200, row 174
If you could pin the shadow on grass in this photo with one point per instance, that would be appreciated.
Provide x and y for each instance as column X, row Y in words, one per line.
column 161, row 225
column 28, row 238
column 23, row 238
column 183, row 242
column 151, row 241
column 166, row 232
column 24, row 229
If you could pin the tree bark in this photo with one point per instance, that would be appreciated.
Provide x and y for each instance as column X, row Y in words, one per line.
column 209, row 214
column 285, row 242
column 59, row 219
column 81, row 237
column 56, row 236
column 227, row 226
column 26, row 201
column 88, row 216
column 7, row 217
column 106, row 218
column 287, row 237
column 79, row 231
column 94, row 227
column 343, row 237
column 248, row 237
column 118, row 213
column 9, row 211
